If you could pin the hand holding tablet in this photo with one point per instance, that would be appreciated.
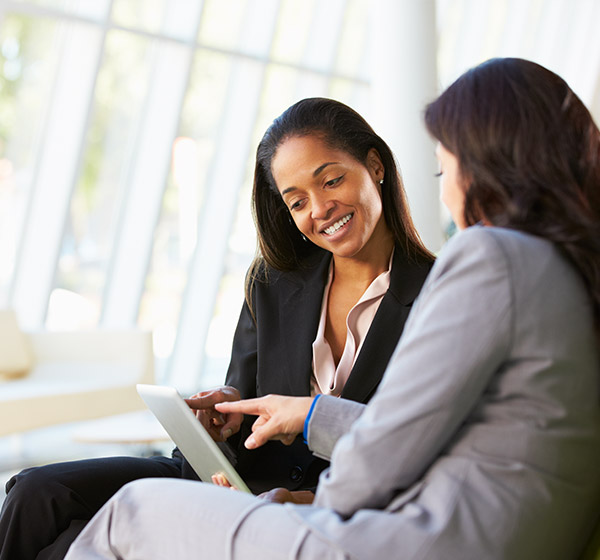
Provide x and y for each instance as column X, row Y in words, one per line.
column 192, row 439
column 219, row 425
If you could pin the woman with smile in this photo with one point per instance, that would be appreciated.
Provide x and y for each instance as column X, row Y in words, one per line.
column 483, row 438
column 339, row 266
column 335, row 201
column 336, row 204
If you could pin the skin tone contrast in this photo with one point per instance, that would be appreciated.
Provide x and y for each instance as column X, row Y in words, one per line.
column 283, row 418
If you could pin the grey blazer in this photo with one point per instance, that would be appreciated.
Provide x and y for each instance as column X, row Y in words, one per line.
column 483, row 440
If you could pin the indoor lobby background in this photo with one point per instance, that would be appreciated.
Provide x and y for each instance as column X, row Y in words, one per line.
column 127, row 137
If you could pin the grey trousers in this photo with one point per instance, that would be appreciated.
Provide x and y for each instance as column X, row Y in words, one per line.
column 157, row 519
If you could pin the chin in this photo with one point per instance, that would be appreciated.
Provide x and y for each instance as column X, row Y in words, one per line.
column 346, row 252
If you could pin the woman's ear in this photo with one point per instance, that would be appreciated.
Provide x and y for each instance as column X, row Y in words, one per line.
column 375, row 165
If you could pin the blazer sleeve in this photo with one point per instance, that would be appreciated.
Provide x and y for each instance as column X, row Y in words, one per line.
column 331, row 419
column 456, row 338
column 242, row 370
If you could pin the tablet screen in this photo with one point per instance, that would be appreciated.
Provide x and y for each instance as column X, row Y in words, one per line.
column 176, row 417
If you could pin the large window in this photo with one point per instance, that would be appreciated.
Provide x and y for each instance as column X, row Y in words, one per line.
column 128, row 130
column 127, row 135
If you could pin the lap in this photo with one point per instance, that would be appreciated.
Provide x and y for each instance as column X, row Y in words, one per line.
column 93, row 480
column 155, row 519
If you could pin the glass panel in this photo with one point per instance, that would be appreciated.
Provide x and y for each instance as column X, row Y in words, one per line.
column 353, row 49
column 27, row 69
column 102, row 184
column 279, row 91
column 311, row 85
column 257, row 29
column 176, row 233
column 355, row 94
column 285, row 33
column 325, row 28
column 134, row 14
column 221, row 24
column 171, row 18
column 292, row 31
column 241, row 250
column 95, row 9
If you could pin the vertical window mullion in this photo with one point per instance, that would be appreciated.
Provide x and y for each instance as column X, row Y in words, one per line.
column 185, row 367
column 133, row 243
column 223, row 185
column 56, row 170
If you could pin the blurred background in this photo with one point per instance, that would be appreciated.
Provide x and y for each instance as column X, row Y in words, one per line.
column 128, row 130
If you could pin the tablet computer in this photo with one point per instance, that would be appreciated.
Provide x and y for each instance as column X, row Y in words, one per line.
column 200, row 450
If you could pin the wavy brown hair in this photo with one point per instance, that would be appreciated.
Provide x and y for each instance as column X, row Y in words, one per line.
column 531, row 152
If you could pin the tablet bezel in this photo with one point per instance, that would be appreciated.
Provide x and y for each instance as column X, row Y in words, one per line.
column 192, row 439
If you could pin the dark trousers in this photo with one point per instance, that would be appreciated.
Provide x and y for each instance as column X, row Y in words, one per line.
column 46, row 507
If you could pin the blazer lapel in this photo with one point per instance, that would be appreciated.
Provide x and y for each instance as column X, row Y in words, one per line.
column 406, row 280
column 299, row 319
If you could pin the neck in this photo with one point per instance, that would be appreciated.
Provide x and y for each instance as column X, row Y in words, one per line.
column 363, row 269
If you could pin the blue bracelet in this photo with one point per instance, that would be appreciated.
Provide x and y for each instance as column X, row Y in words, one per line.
column 307, row 420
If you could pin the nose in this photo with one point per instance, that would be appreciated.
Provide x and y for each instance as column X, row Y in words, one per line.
column 321, row 208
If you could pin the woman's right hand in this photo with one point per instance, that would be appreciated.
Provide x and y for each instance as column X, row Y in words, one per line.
column 279, row 417
column 219, row 425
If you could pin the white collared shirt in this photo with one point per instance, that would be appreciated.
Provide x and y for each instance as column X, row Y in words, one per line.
column 327, row 378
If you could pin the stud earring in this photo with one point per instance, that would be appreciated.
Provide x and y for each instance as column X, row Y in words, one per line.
column 381, row 182
column 304, row 238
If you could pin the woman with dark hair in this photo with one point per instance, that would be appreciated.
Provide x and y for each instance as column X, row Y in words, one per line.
column 533, row 161
column 339, row 128
column 339, row 266
column 483, row 438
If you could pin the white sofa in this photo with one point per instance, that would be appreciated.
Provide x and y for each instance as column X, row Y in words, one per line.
column 70, row 376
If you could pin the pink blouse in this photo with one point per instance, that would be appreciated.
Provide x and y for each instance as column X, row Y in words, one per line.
column 327, row 379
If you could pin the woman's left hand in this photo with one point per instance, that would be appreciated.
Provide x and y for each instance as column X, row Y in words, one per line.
column 276, row 495
column 281, row 418
column 220, row 426
column 283, row 495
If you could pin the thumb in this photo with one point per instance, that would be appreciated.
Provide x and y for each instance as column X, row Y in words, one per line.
column 256, row 439
column 232, row 426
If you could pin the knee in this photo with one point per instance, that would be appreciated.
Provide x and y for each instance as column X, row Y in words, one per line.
column 138, row 490
column 30, row 484
column 151, row 495
column 132, row 501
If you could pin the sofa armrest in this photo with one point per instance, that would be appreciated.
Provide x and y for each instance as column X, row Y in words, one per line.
column 77, row 376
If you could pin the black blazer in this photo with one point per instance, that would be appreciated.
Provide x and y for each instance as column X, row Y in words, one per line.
column 273, row 354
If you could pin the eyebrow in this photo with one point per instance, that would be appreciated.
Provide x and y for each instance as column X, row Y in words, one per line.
column 315, row 174
column 320, row 168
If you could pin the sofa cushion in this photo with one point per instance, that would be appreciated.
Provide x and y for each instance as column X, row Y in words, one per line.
column 66, row 378
column 15, row 355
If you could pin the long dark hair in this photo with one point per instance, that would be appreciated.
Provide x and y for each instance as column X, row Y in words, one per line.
column 530, row 153
column 280, row 243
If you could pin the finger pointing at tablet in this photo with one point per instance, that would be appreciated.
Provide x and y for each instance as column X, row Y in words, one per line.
column 279, row 417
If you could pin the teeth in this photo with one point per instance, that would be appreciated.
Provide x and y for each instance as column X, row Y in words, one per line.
column 332, row 229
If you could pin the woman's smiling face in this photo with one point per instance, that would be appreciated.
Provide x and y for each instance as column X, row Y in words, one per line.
column 334, row 200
